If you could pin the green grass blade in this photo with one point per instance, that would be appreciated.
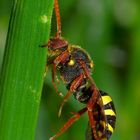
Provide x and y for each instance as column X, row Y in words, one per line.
column 23, row 68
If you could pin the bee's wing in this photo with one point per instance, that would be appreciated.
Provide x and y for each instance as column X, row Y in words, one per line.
column 89, row 133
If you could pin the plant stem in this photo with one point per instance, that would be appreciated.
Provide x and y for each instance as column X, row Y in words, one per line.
column 23, row 68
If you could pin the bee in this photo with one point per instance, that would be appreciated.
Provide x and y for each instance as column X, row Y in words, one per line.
column 75, row 67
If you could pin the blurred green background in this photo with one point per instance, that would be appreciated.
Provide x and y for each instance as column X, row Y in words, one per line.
column 110, row 32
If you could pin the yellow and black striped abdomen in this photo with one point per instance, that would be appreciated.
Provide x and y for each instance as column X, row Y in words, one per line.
column 105, row 118
column 109, row 114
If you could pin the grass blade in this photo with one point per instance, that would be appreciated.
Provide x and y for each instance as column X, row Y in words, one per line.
column 23, row 68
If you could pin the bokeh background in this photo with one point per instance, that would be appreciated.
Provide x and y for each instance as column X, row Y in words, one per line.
column 110, row 31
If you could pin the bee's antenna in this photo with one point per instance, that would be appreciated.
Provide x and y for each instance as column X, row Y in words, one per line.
column 58, row 18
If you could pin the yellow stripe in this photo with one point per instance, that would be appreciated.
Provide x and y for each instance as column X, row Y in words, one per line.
column 110, row 128
column 110, row 112
column 100, row 133
column 106, row 99
column 103, row 123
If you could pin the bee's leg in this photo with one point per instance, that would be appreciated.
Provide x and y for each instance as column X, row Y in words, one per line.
column 86, row 71
column 74, row 118
column 75, row 84
column 90, row 106
column 62, row 58
column 59, row 59
column 53, row 80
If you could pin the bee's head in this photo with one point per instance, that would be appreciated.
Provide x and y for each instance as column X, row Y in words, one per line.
column 56, row 45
